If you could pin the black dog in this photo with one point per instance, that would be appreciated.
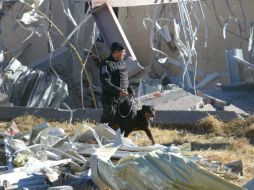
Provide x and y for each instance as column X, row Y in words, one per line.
column 129, row 119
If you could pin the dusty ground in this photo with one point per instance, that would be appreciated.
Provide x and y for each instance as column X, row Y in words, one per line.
column 239, row 134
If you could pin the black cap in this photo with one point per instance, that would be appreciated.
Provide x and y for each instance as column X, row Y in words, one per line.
column 116, row 46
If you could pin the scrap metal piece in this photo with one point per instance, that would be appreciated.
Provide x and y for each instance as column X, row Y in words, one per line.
column 32, row 88
column 8, row 151
column 241, row 60
column 207, row 79
column 32, row 21
column 1, row 56
column 111, row 31
column 36, row 131
column 233, row 66
column 33, row 167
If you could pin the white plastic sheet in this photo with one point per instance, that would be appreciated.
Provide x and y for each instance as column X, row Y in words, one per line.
column 159, row 170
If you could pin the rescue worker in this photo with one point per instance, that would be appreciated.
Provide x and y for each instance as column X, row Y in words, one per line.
column 114, row 81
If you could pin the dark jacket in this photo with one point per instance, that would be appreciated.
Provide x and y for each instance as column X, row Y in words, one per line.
column 113, row 76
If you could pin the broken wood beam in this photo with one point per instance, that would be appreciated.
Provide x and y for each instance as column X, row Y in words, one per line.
column 207, row 146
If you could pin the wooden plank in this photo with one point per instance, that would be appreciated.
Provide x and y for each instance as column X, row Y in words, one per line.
column 129, row 3
column 208, row 146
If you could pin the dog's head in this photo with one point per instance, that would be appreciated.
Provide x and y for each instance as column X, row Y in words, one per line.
column 149, row 112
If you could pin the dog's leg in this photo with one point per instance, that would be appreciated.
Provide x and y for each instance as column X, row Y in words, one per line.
column 126, row 133
column 149, row 134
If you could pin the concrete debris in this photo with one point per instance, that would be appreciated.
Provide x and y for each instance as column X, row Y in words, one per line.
column 48, row 158
column 236, row 98
column 34, row 160
column 48, row 154
column 174, row 99
column 224, row 170
column 32, row 88
column 49, row 147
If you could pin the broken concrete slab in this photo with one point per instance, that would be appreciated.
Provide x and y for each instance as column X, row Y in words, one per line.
column 175, row 99
column 241, row 100
column 8, row 113
column 161, row 116
column 212, row 103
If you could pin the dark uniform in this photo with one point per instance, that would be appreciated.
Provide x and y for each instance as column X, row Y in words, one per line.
column 114, row 77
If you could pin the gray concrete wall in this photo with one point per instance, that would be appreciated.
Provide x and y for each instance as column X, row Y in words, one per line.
column 210, row 59
column 36, row 47
column 12, row 34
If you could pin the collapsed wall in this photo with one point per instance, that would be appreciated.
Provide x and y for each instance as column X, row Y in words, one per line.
column 237, row 15
column 183, row 41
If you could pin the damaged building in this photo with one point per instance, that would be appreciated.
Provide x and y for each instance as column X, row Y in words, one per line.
column 210, row 47
column 187, row 58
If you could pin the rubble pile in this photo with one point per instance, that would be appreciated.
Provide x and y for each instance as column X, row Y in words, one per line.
column 96, row 157
column 46, row 157
column 31, row 88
